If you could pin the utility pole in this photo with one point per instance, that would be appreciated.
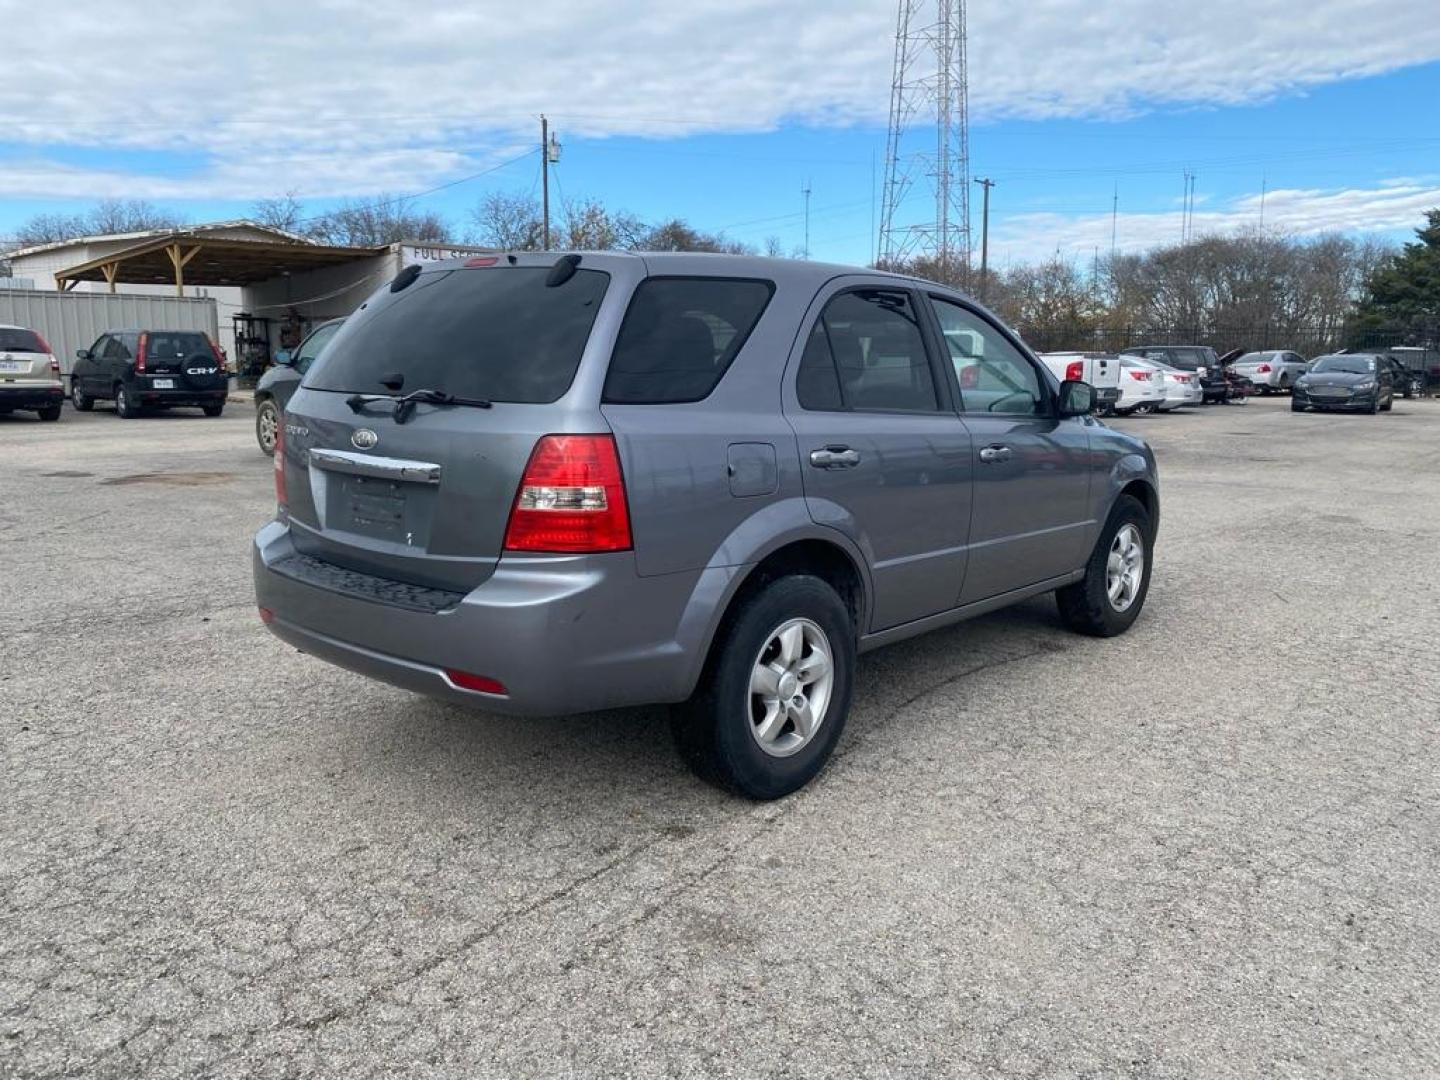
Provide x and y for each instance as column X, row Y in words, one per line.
column 1114, row 218
column 545, row 182
column 987, row 184
column 806, row 192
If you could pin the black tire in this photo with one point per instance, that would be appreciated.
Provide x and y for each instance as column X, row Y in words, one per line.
column 126, row 407
column 267, row 411
column 212, row 410
column 79, row 398
column 1296, row 406
column 1085, row 607
column 1375, row 406
column 714, row 730
column 1389, row 403
column 49, row 414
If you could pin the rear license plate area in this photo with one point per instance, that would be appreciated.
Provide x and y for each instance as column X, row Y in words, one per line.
column 389, row 510
column 15, row 366
column 163, row 384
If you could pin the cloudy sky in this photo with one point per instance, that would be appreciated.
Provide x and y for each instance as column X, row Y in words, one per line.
column 721, row 111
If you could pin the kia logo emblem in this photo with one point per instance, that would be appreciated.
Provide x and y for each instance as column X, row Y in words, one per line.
column 364, row 439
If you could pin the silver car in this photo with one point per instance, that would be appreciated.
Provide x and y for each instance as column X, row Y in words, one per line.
column 1273, row 371
column 546, row 485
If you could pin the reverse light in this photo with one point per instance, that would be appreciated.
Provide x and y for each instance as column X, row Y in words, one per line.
column 1075, row 371
column 479, row 683
column 571, row 498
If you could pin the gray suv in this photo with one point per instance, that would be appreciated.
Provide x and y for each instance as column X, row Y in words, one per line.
column 546, row 486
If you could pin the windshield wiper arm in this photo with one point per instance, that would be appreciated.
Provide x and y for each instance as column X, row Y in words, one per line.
column 405, row 404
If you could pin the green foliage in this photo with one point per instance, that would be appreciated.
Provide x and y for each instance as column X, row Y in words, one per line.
column 1403, row 293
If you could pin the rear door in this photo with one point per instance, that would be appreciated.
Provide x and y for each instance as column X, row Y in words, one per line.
column 89, row 371
column 426, row 500
column 182, row 360
column 1030, row 511
column 884, row 458
column 24, row 357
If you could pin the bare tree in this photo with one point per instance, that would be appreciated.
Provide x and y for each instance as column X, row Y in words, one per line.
column 283, row 212
column 507, row 222
column 375, row 224
column 107, row 216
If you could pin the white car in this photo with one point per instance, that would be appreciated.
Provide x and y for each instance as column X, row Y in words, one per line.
column 1270, row 371
column 1182, row 388
column 1142, row 387
column 1100, row 370
column 29, row 374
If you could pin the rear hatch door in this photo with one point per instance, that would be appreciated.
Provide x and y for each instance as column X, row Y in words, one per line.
column 425, row 498
column 24, row 357
column 182, row 360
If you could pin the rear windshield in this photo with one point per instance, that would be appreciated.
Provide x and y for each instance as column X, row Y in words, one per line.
column 495, row 333
column 14, row 340
column 166, row 345
column 679, row 337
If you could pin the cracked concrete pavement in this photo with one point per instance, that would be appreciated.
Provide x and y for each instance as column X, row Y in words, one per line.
column 1208, row 848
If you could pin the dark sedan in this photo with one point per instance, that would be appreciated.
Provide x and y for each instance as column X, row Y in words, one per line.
column 272, row 392
column 1359, row 382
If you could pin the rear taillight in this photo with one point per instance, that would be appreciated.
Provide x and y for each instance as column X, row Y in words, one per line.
column 1263, row 369
column 571, row 498
column 140, row 353
column 282, row 497
column 1143, row 376
column 215, row 351
column 267, row 616
column 54, row 365
column 1074, row 371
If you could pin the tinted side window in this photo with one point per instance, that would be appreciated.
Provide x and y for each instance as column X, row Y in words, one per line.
column 311, row 347
column 818, row 386
column 680, row 336
column 115, row 350
column 877, row 352
column 994, row 376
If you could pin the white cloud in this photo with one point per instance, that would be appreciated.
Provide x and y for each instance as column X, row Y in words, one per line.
column 1390, row 206
column 345, row 97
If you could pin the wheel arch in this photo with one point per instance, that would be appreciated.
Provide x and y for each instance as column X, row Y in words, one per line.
column 816, row 550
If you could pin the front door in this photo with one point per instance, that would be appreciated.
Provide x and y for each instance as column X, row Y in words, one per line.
column 1030, row 508
column 885, row 460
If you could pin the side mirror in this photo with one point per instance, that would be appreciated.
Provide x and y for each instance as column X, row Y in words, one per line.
column 1076, row 398
column 283, row 358
column 82, row 354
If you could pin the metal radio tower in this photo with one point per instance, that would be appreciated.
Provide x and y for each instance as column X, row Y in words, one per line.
column 930, row 86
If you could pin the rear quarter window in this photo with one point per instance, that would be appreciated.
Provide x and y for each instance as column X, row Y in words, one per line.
column 498, row 333
column 679, row 337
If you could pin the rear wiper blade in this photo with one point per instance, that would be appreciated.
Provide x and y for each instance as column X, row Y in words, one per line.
column 405, row 404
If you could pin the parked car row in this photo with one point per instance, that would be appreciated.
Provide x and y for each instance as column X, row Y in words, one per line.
column 138, row 370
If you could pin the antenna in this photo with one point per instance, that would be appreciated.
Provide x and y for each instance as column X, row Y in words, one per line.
column 929, row 85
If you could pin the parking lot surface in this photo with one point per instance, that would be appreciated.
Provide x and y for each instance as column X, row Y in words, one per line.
column 1208, row 848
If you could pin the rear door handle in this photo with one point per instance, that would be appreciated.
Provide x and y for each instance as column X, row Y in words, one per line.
column 992, row 454
column 835, row 457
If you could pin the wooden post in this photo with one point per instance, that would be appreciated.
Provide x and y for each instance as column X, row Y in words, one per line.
column 111, row 271
column 178, row 261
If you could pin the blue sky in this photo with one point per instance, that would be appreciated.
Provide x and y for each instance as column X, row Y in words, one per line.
column 721, row 112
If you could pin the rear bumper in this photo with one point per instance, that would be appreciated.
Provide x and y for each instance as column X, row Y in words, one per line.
column 563, row 635
column 147, row 396
column 31, row 396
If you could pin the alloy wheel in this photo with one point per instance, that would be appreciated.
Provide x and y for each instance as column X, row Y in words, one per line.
column 1125, row 568
column 790, row 687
